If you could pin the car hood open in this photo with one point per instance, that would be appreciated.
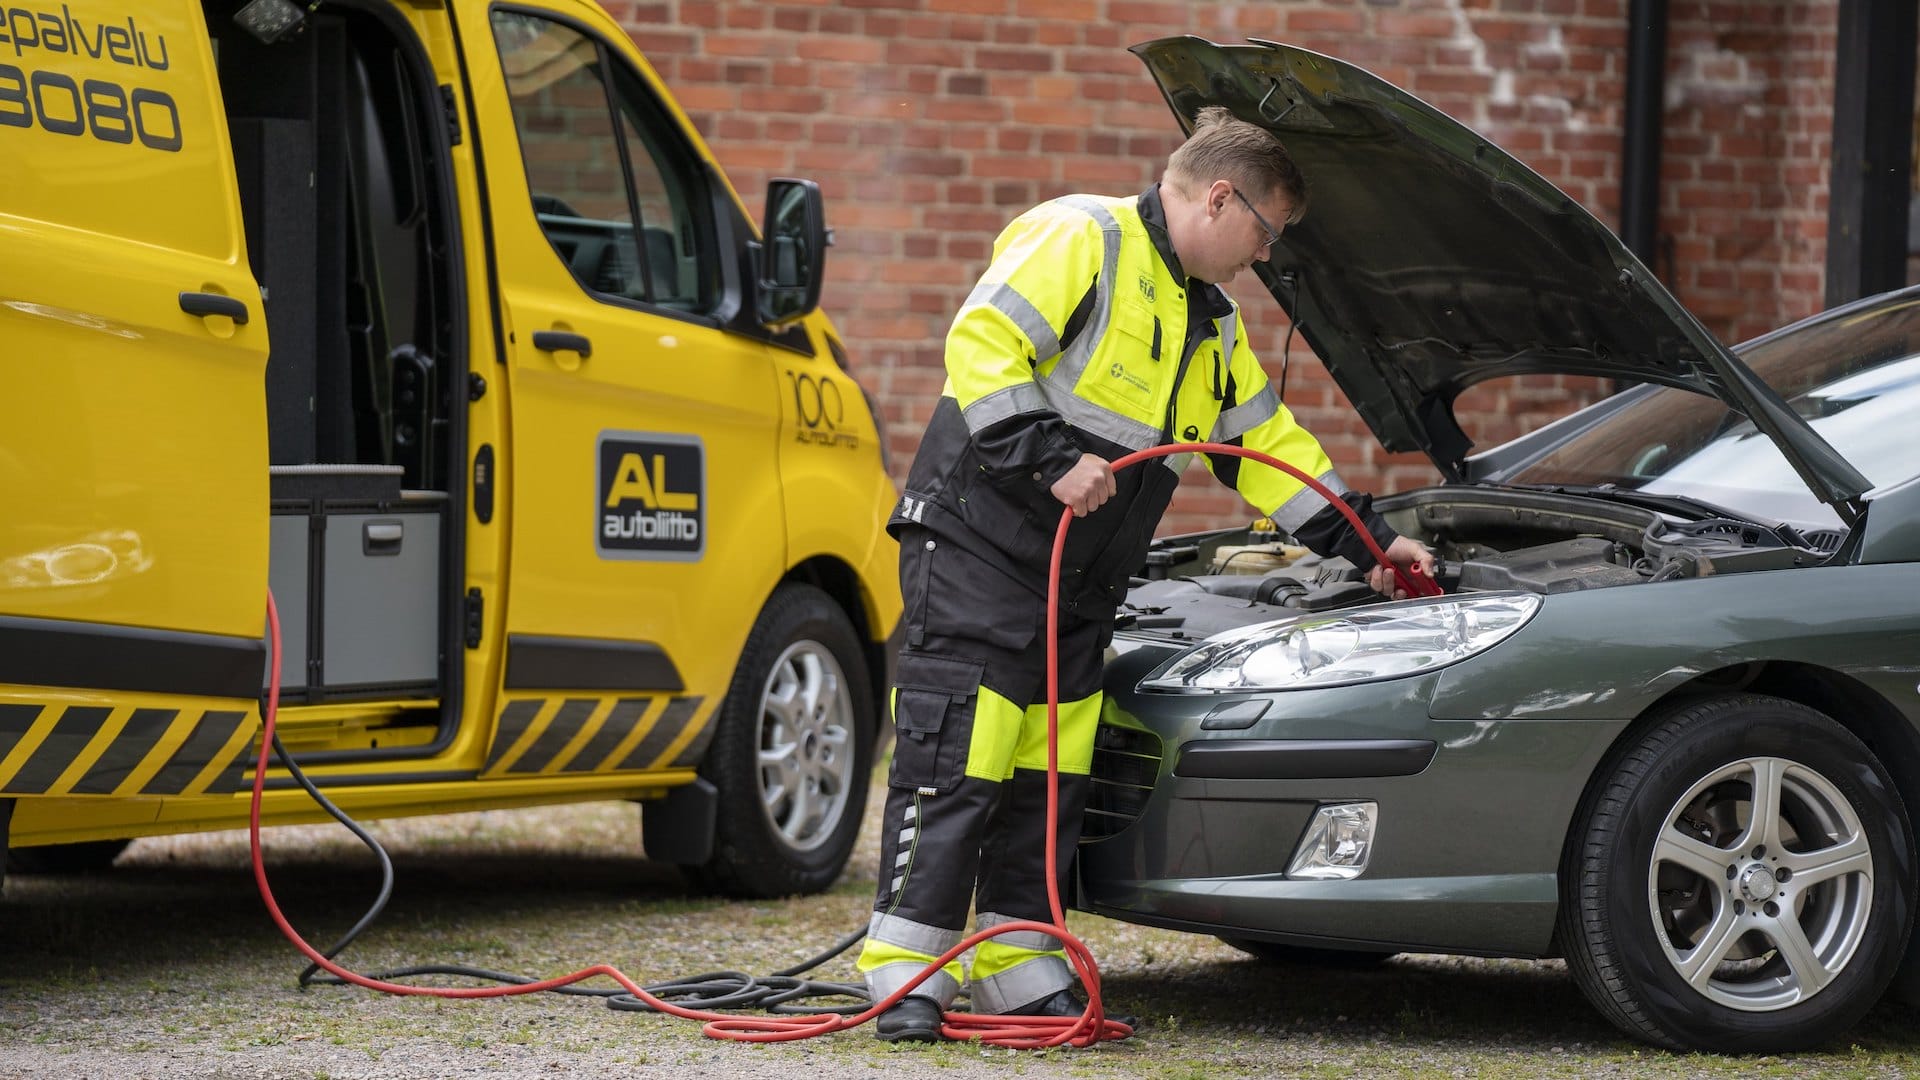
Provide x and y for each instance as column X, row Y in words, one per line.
column 1430, row 260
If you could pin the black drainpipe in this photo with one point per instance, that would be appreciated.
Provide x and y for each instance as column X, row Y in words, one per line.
column 1640, row 152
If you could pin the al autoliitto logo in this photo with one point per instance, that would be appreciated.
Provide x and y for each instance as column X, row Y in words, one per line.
column 652, row 496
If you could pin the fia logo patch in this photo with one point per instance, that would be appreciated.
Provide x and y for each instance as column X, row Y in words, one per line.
column 652, row 496
column 1146, row 288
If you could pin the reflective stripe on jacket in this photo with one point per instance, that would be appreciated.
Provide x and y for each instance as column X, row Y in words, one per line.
column 1076, row 340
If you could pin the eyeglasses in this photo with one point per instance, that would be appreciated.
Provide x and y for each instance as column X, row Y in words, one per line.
column 1273, row 234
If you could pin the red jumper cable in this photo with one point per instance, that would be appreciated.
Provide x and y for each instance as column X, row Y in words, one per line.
column 1016, row 1032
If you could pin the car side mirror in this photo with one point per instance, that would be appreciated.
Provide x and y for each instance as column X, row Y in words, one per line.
column 792, row 254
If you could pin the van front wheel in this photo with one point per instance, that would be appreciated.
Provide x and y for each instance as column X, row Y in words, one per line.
column 792, row 752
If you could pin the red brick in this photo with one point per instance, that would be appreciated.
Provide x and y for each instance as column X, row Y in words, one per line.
column 1309, row 20
column 1391, row 24
column 791, row 21
column 1004, row 59
column 1056, row 35
column 1053, row 113
column 782, row 100
column 900, row 53
column 927, row 164
column 1124, row 12
column 966, row 110
column 716, row 98
column 852, row 50
column 1023, row 167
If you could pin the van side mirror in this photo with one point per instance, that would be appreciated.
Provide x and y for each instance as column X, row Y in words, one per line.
column 792, row 254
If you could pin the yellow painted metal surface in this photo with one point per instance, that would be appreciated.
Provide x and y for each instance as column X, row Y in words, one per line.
column 60, row 743
column 132, row 432
column 668, row 427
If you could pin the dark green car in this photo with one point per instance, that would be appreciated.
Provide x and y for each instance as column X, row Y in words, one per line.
column 1666, row 722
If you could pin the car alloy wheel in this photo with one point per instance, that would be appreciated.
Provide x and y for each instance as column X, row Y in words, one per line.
column 1740, row 878
column 806, row 745
column 1761, row 884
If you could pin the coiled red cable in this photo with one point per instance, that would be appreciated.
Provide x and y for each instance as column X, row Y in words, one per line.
column 1016, row 1032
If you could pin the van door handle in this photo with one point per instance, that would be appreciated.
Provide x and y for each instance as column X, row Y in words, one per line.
column 562, row 341
column 204, row 304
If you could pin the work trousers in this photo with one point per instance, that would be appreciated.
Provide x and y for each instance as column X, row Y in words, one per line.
column 965, row 816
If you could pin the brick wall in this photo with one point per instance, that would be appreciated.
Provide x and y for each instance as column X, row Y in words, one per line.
column 930, row 123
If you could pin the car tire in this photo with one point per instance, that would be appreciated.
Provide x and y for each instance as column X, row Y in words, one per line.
column 792, row 754
column 86, row 857
column 1270, row 952
column 1666, row 860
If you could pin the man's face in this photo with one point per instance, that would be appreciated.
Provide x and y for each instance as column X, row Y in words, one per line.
column 1238, row 231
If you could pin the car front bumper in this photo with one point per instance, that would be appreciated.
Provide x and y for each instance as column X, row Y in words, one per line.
column 1200, row 801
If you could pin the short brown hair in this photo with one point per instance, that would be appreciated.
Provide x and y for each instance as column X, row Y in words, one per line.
column 1225, row 147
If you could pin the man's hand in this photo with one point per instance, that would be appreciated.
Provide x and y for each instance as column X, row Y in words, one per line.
column 1086, row 486
column 1405, row 554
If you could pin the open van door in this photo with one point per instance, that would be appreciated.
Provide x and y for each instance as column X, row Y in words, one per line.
column 136, row 347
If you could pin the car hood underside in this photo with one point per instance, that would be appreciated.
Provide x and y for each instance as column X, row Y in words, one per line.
column 1430, row 260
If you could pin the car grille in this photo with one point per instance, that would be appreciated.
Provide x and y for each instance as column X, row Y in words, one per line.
column 1126, row 762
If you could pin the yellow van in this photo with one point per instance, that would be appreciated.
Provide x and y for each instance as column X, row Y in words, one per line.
column 438, row 319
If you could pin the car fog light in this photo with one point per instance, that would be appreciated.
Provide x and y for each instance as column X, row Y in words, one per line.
column 1338, row 843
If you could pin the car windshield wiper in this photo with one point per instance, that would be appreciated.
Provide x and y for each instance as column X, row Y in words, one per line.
column 1682, row 505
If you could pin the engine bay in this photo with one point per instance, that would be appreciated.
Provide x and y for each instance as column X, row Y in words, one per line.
column 1483, row 540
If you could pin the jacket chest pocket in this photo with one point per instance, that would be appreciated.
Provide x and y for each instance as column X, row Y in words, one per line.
column 1125, row 376
column 1198, row 398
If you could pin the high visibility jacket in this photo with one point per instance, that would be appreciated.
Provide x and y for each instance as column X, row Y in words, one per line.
column 1076, row 339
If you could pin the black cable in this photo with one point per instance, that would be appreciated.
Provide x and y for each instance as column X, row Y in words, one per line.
column 1293, row 323
column 714, row 990
column 380, row 853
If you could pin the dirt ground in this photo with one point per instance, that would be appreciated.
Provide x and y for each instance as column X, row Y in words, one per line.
column 167, row 966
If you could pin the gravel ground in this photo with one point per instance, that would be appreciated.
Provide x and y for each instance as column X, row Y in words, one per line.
column 167, row 966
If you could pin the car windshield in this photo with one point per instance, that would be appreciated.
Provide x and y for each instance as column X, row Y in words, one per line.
column 1856, row 380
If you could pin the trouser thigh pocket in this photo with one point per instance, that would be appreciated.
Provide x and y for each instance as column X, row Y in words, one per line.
column 933, row 705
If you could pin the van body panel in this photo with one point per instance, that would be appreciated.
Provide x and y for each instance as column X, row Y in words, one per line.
column 148, row 505
column 641, row 468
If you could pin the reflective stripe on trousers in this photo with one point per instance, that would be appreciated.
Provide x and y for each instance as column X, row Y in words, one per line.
column 966, row 799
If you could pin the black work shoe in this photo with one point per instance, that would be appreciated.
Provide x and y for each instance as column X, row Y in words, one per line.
column 911, row 1019
column 1066, row 1003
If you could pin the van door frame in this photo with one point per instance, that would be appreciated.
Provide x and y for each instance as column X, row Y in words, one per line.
column 443, row 129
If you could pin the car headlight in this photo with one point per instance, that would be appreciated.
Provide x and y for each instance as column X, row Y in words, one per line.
column 1359, row 646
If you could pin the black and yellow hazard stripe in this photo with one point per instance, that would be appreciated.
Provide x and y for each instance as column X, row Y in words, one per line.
column 570, row 735
column 60, row 749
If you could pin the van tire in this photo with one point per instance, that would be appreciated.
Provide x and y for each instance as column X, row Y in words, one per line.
column 795, row 732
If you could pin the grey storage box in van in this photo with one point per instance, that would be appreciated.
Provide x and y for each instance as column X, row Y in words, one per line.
column 355, row 574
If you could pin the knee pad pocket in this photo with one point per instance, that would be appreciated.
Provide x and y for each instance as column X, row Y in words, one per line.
column 935, row 696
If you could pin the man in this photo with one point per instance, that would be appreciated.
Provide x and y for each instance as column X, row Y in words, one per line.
column 1098, row 329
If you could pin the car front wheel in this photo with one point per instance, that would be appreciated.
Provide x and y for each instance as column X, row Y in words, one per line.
column 792, row 753
column 1742, row 881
